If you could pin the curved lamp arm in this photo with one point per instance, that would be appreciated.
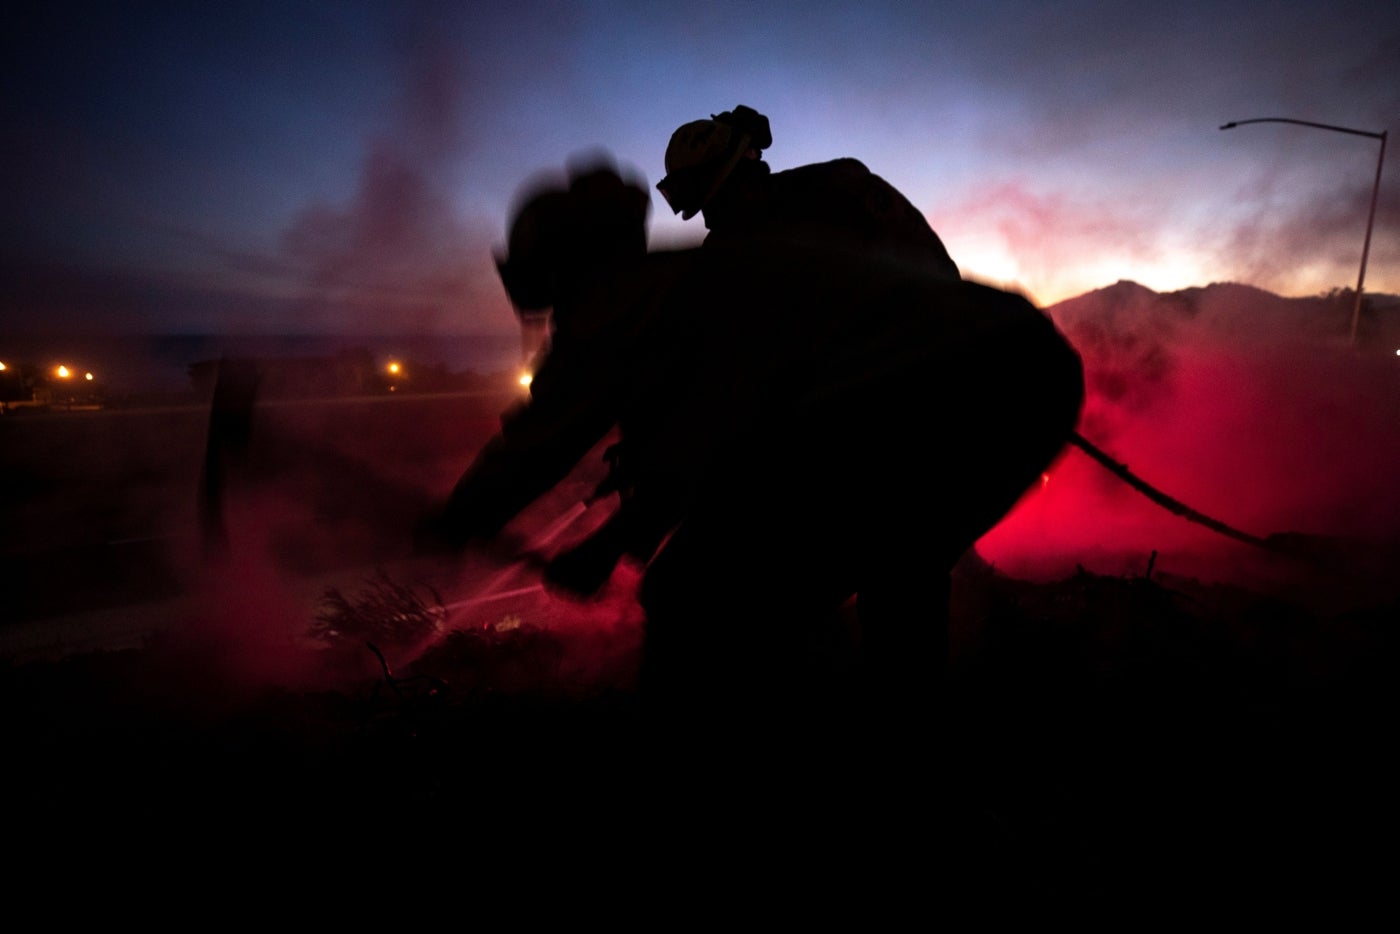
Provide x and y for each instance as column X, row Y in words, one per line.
column 1375, row 192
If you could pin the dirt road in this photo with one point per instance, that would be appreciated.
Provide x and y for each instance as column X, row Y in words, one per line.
column 102, row 517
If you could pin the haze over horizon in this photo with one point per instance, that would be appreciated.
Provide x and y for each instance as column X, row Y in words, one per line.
column 319, row 168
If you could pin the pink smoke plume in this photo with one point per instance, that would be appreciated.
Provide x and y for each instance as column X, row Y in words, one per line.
column 1249, row 408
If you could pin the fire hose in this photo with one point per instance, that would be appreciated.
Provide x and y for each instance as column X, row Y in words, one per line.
column 491, row 591
column 1169, row 503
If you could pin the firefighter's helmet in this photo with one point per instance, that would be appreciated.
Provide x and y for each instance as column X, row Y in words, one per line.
column 703, row 153
column 562, row 226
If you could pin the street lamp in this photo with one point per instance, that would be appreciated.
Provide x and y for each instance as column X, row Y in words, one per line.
column 1375, row 191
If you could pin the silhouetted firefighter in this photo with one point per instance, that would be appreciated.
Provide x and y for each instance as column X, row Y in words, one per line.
column 715, row 168
column 801, row 424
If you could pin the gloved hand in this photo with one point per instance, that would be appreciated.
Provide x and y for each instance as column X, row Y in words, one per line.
column 582, row 570
column 435, row 533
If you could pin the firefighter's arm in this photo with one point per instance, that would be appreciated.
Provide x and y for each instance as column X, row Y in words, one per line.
column 582, row 570
column 571, row 409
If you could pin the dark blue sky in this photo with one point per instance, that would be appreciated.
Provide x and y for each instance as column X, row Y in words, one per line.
column 349, row 166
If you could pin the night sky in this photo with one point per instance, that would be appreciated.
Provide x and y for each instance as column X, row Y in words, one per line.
column 296, row 167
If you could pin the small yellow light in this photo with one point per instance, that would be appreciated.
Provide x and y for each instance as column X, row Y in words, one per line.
column 3, row 368
column 63, row 372
column 394, row 367
column 526, row 379
column 88, row 377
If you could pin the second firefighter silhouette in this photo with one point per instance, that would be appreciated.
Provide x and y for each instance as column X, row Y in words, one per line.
column 715, row 168
column 799, row 425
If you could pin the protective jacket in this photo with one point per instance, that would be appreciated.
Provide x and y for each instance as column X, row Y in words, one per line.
column 696, row 355
column 838, row 202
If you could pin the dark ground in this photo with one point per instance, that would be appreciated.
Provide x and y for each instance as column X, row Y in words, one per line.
column 1129, row 747
column 1116, row 748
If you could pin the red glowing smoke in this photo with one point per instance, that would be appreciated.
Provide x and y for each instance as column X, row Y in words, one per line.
column 1252, row 409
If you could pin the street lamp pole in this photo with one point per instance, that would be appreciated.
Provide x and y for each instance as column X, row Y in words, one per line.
column 1375, row 192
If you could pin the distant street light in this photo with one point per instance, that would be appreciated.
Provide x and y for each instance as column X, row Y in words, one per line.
column 1375, row 191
